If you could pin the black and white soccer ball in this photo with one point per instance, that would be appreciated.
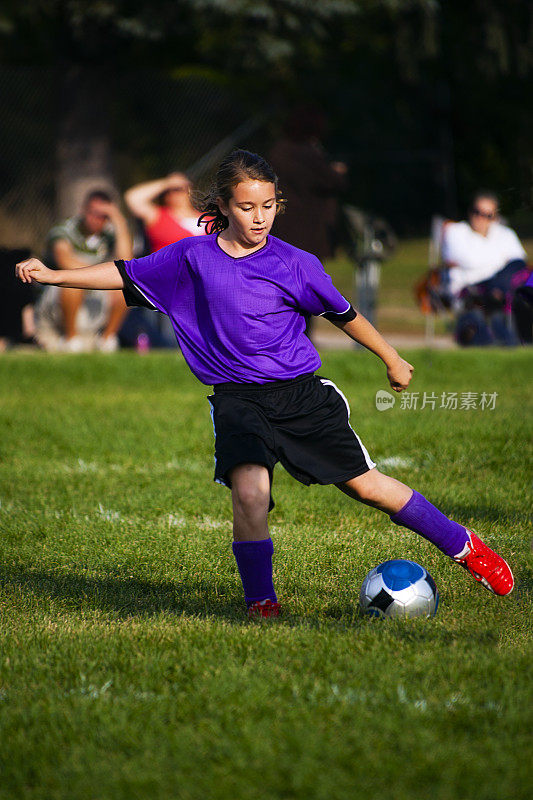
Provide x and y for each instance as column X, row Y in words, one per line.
column 399, row 588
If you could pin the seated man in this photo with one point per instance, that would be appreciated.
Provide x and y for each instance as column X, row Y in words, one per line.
column 99, row 232
column 482, row 258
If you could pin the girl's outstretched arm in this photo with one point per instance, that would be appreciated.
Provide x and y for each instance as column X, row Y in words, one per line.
column 101, row 276
column 399, row 371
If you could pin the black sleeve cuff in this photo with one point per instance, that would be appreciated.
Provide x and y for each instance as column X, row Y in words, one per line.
column 341, row 319
column 132, row 295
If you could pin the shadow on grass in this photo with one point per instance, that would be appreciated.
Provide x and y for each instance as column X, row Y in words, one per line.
column 125, row 597
column 481, row 511
column 136, row 597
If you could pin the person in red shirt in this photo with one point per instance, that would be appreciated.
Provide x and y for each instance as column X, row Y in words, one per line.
column 166, row 209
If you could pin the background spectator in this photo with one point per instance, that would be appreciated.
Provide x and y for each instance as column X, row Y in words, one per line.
column 165, row 208
column 483, row 260
column 482, row 249
column 523, row 311
column 310, row 183
column 16, row 301
column 97, row 234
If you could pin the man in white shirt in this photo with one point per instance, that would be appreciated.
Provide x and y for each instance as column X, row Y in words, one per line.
column 482, row 250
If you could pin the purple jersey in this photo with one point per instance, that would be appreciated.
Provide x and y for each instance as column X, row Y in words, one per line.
column 239, row 320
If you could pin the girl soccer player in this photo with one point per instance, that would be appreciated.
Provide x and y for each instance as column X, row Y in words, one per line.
column 237, row 299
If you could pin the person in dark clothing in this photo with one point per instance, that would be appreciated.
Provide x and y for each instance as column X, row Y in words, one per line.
column 16, row 302
column 523, row 311
column 310, row 183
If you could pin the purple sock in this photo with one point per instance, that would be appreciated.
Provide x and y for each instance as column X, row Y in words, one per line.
column 254, row 560
column 420, row 516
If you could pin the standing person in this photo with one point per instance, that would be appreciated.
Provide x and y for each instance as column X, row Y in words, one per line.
column 311, row 184
column 237, row 299
column 99, row 232
column 166, row 209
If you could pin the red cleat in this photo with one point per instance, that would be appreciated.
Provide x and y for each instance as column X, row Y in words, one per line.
column 487, row 567
column 264, row 608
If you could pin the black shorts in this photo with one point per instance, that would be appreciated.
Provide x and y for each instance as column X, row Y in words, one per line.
column 303, row 423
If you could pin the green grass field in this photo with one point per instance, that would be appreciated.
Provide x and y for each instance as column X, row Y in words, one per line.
column 127, row 667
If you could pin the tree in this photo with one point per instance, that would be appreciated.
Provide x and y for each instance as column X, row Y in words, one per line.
column 415, row 89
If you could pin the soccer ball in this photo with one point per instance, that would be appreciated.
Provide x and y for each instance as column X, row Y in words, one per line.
column 399, row 588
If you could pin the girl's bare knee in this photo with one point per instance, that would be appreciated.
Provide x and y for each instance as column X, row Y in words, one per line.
column 368, row 488
column 250, row 487
column 378, row 490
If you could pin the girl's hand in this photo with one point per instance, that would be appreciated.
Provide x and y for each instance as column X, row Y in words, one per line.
column 399, row 374
column 34, row 270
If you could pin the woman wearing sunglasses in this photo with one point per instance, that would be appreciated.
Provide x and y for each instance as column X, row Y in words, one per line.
column 482, row 249
column 483, row 258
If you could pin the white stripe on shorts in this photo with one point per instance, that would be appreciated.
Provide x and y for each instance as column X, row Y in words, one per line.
column 217, row 480
column 370, row 464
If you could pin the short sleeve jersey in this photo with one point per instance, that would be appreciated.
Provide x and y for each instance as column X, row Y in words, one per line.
column 91, row 249
column 239, row 320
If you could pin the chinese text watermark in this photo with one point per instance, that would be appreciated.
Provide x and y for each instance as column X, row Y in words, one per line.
column 448, row 401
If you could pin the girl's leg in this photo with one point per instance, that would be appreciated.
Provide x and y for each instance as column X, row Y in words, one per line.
column 409, row 509
column 378, row 490
column 250, row 494
column 252, row 546
column 70, row 301
column 412, row 510
column 117, row 313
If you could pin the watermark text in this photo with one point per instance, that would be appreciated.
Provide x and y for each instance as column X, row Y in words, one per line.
column 447, row 401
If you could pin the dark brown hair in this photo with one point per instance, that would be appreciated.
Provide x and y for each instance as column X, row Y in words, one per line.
column 240, row 165
column 97, row 194
column 484, row 194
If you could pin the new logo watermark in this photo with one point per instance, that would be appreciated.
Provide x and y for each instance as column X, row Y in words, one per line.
column 384, row 400
column 447, row 401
